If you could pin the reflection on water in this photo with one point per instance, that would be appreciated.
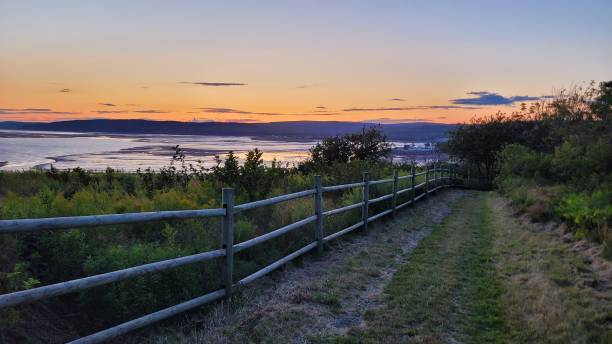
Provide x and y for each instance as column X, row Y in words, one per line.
column 19, row 150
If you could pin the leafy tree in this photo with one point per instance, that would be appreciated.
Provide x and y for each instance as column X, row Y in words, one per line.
column 370, row 145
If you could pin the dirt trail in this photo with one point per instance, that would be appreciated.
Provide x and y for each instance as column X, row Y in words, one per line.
column 326, row 295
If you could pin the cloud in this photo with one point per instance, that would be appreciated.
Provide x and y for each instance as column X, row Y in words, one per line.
column 149, row 111
column 65, row 90
column 225, row 110
column 396, row 120
column 37, row 111
column 306, row 86
column 396, row 99
column 483, row 98
column 243, row 112
column 104, row 112
column 241, row 120
column 213, row 84
column 106, row 104
column 321, row 107
column 411, row 108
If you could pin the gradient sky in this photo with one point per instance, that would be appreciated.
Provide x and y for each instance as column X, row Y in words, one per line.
column 388, row 61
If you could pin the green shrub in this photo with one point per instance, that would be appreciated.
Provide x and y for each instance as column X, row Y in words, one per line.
column 588, row 214
column 516, row 160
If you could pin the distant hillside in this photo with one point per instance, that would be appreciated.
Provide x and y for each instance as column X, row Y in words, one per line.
column 306, row 130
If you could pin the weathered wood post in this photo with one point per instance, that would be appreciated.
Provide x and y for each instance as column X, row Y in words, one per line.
column 426, row 179
column 445, row 170
column 435, row 175
column 413, row 179
column 228, row 239
column 366, row 198
column 394, row 199
column 318, row 196
column 468, row 176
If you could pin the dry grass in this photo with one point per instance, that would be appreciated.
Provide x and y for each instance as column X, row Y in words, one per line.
column 551, row 293
column 445, row 292
column 323, row 296
column 480, row 276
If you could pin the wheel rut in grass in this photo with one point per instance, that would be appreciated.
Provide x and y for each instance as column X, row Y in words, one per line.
column 322, row 296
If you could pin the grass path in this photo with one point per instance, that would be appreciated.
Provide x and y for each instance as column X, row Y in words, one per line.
column 481, row 277
column 319, row 296
column 457, row 268
column 446, row 291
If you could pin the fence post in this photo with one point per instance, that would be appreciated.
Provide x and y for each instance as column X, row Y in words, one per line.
column 413, row 182
column 445, row 179
column 426, row 179
column 394, row 199
column 433, row 171
column 228, row 239
column 319, row 213
column 468, row 176
column 366, row 198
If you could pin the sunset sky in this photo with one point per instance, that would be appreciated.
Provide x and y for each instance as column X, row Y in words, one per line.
column 264, row 61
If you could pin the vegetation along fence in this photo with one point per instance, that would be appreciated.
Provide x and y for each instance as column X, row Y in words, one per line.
column 435, row 178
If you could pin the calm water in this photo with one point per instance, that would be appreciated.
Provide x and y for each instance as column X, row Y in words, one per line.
column 21, row 150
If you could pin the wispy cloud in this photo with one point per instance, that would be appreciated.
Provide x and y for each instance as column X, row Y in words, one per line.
column 105, row 112
column 306, row 86
column 397, row 120
column 213, row 84
column 412, row 108
column 65, row 90
column 243, row 112
column 149, row 111
column 241, row 120
column 396, row 99
column 106, row 104
column 483, row 98
column 321, row 107
column 37, row 111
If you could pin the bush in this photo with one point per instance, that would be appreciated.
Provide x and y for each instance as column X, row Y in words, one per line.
column 50, row 257
column 588, row 214
column 516, row 160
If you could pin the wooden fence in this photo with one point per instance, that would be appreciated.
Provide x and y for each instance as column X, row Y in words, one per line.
column 435, row 178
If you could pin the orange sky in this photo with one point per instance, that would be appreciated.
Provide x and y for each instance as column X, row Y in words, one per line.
column 312, row 61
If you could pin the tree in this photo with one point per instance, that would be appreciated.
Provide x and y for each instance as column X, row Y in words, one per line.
column 369, row 145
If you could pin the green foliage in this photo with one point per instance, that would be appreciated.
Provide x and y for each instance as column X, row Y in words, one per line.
column 588, row 213
column 43, row 258
column 479, row 142
column 520, row 161
column 559, row 166
column 370, row 145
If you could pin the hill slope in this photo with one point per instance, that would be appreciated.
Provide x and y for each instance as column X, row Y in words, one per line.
column 420, row 131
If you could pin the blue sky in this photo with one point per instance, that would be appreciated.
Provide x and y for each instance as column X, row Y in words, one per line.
column 294, row 57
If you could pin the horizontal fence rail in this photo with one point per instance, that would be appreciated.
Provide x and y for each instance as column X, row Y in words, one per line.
column 34, row 225
column 435, row 179
column 342, row 187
